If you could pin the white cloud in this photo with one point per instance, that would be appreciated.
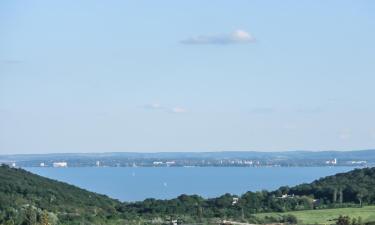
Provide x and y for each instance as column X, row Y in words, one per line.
column 153, row 106
column 345, row 134
column 236, row 37
column 159, row 107
column 242, row 36
column 178, row 110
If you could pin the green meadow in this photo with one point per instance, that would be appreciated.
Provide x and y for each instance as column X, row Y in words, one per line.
column 327, row 216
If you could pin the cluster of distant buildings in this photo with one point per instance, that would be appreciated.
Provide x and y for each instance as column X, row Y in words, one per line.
column 241, row 162
column 332, row 162
column 335, row 162
column 160, row 163
column 359, row 162
column 42, row 164
column 60, row 164
column 55, row 164
column 63, row 163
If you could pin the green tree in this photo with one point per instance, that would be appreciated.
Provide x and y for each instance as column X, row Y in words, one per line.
column 334, row 195
column 361, row 193
column 45, row 218
column 9, row 222
column 31, row 216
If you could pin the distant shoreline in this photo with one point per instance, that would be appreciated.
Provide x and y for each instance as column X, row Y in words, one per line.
column 362, row 158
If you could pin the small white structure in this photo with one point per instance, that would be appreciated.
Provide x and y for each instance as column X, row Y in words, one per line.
column 283, row 196
column 97, row 163
column 235, row 201
column 248, row 162
column 13, row 164
column 42, row 164
column 170, row 163
column 60, row 164
column 331, row 162
column 157, row 163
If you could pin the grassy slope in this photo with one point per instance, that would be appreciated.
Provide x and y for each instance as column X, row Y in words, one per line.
column 326, row 216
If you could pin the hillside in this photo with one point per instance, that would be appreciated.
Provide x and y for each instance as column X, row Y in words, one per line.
column 26, row 197
column 355, row 186
column 22, row 192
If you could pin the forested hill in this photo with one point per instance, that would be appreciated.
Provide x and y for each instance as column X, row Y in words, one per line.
column 23, row 194
column 26, row 198
column 354, row 186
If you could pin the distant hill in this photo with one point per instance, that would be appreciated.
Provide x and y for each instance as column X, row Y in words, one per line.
column 225, row 158
column 27, row 199
column 354, row 154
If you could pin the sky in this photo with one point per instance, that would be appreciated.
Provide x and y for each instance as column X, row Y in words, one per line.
column 158, row 76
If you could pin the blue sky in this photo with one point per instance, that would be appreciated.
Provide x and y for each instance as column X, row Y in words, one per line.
column 145, row 76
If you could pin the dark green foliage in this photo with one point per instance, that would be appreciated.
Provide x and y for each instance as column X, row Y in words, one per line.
column 345, row 220
column 24, row 196
column 291, row 219
column 356, row 187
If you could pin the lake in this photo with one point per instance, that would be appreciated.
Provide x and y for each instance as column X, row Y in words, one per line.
column 133, row 184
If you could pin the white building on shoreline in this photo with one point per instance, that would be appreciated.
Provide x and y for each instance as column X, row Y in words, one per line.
column 60, row 164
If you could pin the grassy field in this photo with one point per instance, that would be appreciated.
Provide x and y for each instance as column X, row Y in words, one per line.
column 326, row 216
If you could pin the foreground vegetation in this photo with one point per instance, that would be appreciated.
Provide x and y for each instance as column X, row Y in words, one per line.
column 326, row 216
column 28, row 199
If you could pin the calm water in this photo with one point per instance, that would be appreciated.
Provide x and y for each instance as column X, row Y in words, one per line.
column 131, row 184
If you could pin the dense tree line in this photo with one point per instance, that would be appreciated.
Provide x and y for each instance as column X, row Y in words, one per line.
column 356, row 186
column 28, row 199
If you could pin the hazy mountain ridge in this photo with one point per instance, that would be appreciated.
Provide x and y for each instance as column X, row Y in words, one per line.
column 224, row 158
column 370, row 153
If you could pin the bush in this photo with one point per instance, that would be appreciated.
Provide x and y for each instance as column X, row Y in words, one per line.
column 291, row 219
